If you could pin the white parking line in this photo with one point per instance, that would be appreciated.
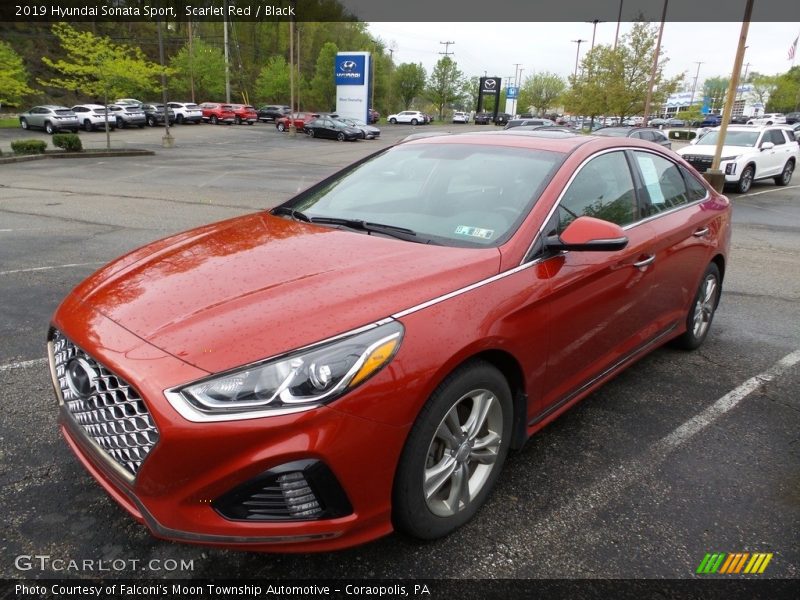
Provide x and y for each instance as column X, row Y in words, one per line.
column 49, row 268
column 23, row 364
column 769, row 191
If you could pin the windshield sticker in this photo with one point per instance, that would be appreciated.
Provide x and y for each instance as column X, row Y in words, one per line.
column 484, row 234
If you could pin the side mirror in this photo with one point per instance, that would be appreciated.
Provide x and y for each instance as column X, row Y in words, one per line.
column 586, row 234
column 767, row 146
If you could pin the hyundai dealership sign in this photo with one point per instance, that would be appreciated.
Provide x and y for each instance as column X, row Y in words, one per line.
column 350, row 69
column 353, row 84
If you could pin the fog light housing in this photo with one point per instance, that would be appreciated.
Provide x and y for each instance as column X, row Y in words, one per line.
column 297, row 491
column 730, row 169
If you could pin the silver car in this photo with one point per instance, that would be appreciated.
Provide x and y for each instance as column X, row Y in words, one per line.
column 370, row 131
column 128, row 115
column 51, row 118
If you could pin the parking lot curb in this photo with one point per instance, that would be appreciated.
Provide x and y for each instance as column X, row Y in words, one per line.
column 85, row 154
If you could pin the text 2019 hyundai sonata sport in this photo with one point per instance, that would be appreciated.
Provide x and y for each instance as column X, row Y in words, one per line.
column 362, row 358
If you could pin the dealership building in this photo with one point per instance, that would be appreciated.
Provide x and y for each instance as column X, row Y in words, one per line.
column 747, row 103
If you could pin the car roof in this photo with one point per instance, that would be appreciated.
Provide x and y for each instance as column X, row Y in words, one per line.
column 554, row 141
column 90, row 105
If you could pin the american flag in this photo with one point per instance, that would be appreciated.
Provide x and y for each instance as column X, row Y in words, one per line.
column 793, row 48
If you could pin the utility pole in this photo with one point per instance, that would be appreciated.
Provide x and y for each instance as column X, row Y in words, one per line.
column 577, row 54
column 696, row 76
column 746, row 67
column 227, row 53
column 619, row 19
column 446, row 53
column 654, row 70
column 167, row 141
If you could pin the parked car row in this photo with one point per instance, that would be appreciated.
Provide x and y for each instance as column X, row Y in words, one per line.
column 328, row 125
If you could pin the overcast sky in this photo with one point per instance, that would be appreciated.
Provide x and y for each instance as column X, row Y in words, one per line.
column 496, row 47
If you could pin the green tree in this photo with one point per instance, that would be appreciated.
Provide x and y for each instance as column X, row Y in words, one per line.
column 408, row 82
column 540, row 91
column 199, row 73
column 272, row 84
column 786, row 95
column 763, row 86
column 445, row 85
column 13, row 76
column 715, row 88
column 95, row 66
column 614, row 82
column 322, row 92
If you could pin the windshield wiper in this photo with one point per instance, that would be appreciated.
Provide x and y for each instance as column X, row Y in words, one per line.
column 360, row 225
column 292, row 212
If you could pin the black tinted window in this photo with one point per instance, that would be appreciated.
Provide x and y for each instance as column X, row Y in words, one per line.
column 694, row 188
column 776, row 137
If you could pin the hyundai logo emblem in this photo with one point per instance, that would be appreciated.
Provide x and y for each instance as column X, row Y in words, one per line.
column 80, row 377
column 348, row 65
column 490, row 83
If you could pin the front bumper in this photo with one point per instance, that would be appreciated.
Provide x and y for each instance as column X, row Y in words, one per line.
column 194, row 464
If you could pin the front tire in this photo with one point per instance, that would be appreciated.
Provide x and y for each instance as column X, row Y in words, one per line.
column 414, row 121
column 23, row 123
column 786, row 175
column 48, row 127
column 454, row 452
column 151, row 121
column 214, row 119
column 701, row 313
column 179, row 119
column 87, row 125
column 281, row 127
column 310, row 133
column 746, row 180
column 393, row 121
column 340, row 137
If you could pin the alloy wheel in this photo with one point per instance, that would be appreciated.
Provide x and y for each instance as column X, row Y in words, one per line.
column 705, row 305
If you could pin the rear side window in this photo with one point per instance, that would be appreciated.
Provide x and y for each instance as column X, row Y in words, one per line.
column 603, row 189
column 776, row 137
column 695, row 190
column 664, row 186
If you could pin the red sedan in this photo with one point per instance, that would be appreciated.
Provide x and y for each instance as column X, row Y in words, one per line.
column 363, row 357
column 300, row 119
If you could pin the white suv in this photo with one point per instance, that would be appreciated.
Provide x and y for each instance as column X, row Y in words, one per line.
column 460, row 117
column 186, row 112
column 408, row 116
column 93, row 116
column 749, row 153
column 768, row 119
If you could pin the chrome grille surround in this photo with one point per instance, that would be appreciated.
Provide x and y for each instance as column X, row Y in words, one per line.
column 113, row 415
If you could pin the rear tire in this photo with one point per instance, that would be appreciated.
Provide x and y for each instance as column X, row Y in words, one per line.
column 310, row 133
column 701, row 313
column 237, row 120
column 414, row 121
column 87, row 125
column 340, row 137
column 151, row 121
column 179, row 119
column 454, row 453
column 281, row 127
column 214, row 119
column 786, row 175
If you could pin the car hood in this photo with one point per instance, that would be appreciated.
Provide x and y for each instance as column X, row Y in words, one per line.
column 708, row 150
column 256, row 286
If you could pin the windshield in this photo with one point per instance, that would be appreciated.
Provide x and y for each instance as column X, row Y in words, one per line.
column 452, row 194
column 732, row 138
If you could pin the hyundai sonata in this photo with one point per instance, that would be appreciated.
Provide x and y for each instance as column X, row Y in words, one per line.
column 361, row 358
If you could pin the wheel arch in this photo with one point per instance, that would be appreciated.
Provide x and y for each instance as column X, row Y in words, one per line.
column 719, row 260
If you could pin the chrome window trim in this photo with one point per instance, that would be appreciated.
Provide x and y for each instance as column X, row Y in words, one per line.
column 580, row 167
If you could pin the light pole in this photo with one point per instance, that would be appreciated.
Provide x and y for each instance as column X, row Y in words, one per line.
column 654, row 70
column 577, row 54
column 694, row 86
column 619, row 19
column 594, row 29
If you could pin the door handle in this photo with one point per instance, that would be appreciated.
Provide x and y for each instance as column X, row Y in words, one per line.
column 643, row 263
column 701, row 232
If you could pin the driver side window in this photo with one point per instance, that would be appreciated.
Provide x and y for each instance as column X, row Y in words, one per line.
column 603, row 189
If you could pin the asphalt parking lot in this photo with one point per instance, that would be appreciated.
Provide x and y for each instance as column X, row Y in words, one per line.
column 682, row 454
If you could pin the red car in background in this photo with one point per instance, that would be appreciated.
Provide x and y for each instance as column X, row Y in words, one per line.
column 363, row 357
column 244, row 113
column 216, row 112
column 300, row 119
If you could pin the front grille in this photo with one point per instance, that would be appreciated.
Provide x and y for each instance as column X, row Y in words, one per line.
column 110, row 411
column 701, row 163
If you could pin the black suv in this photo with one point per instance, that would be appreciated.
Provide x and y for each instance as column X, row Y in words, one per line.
column 154, row 114
column 272, row 112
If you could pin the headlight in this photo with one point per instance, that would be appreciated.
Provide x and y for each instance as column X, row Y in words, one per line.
column 295, row 381
column 729, row 158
